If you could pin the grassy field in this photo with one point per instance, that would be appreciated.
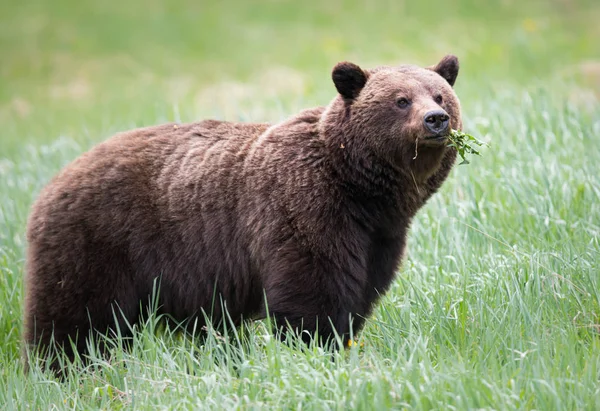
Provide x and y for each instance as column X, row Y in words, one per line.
column 497, row 303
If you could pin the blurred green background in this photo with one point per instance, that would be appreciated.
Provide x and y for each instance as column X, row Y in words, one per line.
column 97, row 66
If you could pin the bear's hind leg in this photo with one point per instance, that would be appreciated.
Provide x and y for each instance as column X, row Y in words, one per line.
column 60, row 315
column 69, row 334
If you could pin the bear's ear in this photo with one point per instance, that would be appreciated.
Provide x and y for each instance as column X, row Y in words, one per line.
column 447, row 68
column 349, row 79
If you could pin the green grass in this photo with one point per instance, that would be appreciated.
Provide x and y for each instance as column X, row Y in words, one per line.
column 497, row 303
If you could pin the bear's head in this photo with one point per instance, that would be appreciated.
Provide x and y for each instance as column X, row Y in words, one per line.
column 400, row 114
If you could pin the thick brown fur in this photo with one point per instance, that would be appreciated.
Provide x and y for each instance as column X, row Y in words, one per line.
column 311, row 213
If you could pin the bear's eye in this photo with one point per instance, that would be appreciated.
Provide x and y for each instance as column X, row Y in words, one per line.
column 402, row 102
column 438, row 99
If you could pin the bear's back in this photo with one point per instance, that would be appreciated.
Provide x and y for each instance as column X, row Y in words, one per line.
column 139, row 168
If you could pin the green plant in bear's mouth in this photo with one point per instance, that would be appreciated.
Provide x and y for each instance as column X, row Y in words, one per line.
column 464, row 144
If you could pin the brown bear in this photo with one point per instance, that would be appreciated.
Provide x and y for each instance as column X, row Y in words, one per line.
column 304, row 221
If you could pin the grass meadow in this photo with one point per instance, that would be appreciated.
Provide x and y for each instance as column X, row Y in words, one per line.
column 497, row 304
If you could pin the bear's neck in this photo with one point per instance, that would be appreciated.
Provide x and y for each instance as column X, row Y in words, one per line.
column 422, row 162
column 366, row 175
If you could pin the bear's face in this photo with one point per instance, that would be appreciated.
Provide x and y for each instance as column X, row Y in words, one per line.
column 397, row 112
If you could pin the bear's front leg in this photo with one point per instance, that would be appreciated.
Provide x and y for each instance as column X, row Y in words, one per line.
column 317, row 301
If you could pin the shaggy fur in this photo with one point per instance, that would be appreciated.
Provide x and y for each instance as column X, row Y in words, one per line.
column 311, row 213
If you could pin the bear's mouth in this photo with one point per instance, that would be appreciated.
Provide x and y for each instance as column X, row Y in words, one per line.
column 436, row 138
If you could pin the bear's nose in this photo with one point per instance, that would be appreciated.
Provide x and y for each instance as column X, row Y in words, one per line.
column 436, row 121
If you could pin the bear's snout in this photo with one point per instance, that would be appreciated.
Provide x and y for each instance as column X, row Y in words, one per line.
column 437, row 121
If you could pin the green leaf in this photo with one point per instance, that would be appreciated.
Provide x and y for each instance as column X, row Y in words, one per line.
column 464, row 144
